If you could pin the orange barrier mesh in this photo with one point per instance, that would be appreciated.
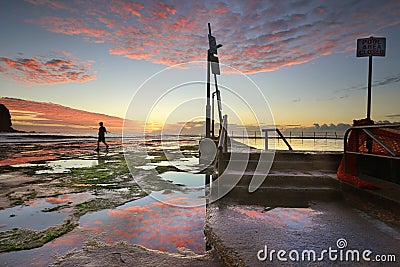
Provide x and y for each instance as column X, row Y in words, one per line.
column 358, row 143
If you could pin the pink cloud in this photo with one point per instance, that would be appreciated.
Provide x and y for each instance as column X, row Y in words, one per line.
column 138, row 209
column 41, row 70
column 40, row 116
column 110, row 23
column 258, row 36
column 319, row 10
column 125, row 9
column 54, row 4
column 55, row 200
column 132, row 8
column 220, row 8
column 72, row 26
column 119, row 214
column 162, row 10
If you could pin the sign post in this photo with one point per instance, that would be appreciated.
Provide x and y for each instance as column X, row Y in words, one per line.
column 212, row 66
column 369, row 47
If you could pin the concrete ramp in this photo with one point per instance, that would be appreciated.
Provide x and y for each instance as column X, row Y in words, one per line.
column 303, row 209
column 241, row 225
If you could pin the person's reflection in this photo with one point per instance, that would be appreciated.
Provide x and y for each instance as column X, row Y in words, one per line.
column 101, row 159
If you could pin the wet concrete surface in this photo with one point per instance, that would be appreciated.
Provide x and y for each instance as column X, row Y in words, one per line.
column 239, row 229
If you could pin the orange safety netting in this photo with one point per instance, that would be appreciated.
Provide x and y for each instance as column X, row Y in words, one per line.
column 359, row 141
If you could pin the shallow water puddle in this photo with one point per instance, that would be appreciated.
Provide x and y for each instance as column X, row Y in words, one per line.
column 187, row 164
column 145, row 221
column 152, row 223
column 64, row 166
column 24, row 159
column 30, row 217
column 291, row 218
column 183, row 178
column 190, row 164
column 46, row 254
column 164, row 221
column 59, row 166
column 33, row 214
column 146, row 167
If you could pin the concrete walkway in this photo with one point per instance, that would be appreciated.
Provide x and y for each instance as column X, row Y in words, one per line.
column 243, row 226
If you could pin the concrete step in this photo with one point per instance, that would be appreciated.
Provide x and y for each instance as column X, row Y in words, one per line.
column 278, row 197
column 282, row 161
column 284, row 180
column 288, row 155
column 282, row 165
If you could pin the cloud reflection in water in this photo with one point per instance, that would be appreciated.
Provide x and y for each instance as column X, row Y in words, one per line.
column 153, row 224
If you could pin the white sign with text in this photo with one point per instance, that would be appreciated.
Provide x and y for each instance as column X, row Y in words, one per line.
column 373, row 46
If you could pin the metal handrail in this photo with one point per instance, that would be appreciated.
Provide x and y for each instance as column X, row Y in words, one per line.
column 222, row 144
column 279, row 133
column 365, row 129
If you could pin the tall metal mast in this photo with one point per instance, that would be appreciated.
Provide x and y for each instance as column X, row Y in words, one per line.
column 212, row 66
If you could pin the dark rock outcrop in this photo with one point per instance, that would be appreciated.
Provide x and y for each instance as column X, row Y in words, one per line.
column 5, row 119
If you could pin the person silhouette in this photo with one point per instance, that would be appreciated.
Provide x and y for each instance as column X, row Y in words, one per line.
column 102, row 138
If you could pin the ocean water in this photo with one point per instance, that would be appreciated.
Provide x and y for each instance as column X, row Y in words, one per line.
column 296, row 144
column 259, row 143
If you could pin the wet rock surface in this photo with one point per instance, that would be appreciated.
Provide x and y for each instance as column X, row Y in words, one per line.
column 90, row 194
column 123, row 254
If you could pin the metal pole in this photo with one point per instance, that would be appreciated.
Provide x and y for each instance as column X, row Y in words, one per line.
column 218, row 100
column 369, row 88
column 208, row 107
column 212, row 115
column 207, row 189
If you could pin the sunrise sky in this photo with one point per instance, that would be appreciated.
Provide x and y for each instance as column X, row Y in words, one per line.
column 95, row 55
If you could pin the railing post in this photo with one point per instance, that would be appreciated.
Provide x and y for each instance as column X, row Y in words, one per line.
column 222, row 144
column 225, row 129
column 266, row 140
column 220, row 161
column 226, row 142
column 345, row 149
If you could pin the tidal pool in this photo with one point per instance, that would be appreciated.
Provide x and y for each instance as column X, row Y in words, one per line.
column 65, row 166
column 164, row 220
column 146, row 221
column 152, row 223
column 183, row 178
column 289, row 218
column 60, row 166
column 32, row 215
